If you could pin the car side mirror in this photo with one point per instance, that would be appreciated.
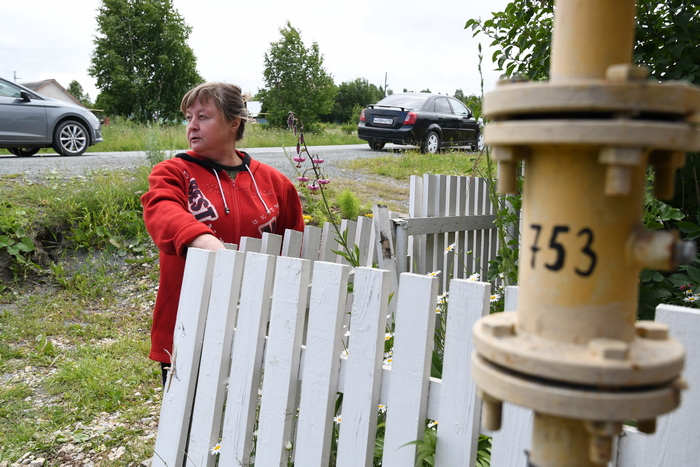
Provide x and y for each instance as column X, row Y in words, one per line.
column 26, row 97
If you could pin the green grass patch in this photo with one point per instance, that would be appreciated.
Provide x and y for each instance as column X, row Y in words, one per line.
column 402, row 165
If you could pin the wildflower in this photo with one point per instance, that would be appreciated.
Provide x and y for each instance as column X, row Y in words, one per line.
column 299, row 159
column 450, row 248
column 318, row 160
column 314, row 187
column 307, row 218
column 347, row 334
column 338, row 419
column 382, row 408
column 289, row 446
column 438, row 311
column 303, row 179
column 434, row 273
column 216, row 449
column 290, row 121
column 495, row 297
column 433, row 424
column 691, row 298
column 388, row 336
column 323, row 181
column 474, row 277
column 442, row 299
column 344, row 353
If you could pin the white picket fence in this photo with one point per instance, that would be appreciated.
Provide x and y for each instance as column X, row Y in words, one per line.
column 447, row 210
column 245, row 374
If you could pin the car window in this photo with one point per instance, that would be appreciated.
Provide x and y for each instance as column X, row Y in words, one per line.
column 8, row 90
column 442, row 106
column 408, row 101
column 459, row 108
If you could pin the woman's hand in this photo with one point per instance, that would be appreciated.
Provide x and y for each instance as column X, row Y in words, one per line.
column 207, row 242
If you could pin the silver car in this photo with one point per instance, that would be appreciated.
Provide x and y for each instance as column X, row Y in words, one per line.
column 30, row 121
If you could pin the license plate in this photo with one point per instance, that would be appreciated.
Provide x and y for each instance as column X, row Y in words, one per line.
column 383, row 121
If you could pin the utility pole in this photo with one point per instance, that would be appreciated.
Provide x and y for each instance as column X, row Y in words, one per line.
column 16, row 78
column 574, row 351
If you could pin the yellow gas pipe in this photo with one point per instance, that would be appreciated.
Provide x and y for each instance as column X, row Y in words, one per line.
column 573, row 350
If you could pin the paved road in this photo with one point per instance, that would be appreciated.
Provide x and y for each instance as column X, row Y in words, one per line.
column 44, row 164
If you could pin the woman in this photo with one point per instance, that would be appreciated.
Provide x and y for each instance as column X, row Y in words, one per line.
column 211, row 195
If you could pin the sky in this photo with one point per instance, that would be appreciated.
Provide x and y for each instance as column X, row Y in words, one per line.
column 406, row 43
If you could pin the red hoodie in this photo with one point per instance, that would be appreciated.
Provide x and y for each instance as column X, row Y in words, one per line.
column 186, row 199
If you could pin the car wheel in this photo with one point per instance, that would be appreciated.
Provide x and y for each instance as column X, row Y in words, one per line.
column 70, row 138
column 480, row 143
column 23, row 152
column 431, row 144
column 376, row 145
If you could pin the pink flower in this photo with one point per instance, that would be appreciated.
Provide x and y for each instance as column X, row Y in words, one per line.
column 303, row 179
column 290, row 121
column 323, row 181
column 318, row 161
column 299, row 159
column 314, row 187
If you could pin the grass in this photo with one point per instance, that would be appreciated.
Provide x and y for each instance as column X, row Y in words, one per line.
column 123, row 135
column 76, row 299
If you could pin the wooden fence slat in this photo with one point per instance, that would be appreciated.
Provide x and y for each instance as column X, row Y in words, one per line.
column 416, row 245
column 413, row 345
column 250, row 244
column 321, row 364
column 291, row 245
column 387, row 255
column 461, row 237
column 362, row 240
column 271, row 244
column 460, row 409
column 450, row 237
column 178, row 394
column 677, row 439
column 328, row 244
column 511, row 442
column 362, row 381
column 214, row 364
column 246, row 359
column 311, row 245
column 281, row 370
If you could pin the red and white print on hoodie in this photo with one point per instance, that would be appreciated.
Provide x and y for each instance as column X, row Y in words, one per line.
column 186, row 200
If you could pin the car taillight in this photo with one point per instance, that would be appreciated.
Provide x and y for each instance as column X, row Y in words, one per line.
column 410, row 118
column 362, row 115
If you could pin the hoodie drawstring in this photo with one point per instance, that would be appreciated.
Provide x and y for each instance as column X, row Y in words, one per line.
column 267, row 210
column 221, row 190
column 226, row 209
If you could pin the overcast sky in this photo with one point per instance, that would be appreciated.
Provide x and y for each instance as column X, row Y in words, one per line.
column 417, row 44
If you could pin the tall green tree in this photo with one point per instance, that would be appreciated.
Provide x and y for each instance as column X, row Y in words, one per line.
column 668, row 38
column 141, row 60
column 295, row 80
column 353, row 95
column 79, row 93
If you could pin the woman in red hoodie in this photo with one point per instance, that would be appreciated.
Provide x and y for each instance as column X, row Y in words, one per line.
column 211, row 195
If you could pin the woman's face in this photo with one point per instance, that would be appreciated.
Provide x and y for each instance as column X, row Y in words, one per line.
column 208, row 132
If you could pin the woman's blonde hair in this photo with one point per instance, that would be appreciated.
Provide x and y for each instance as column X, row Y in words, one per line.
column 228, row 98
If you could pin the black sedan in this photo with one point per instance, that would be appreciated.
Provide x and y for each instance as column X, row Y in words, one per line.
column 430, row 121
